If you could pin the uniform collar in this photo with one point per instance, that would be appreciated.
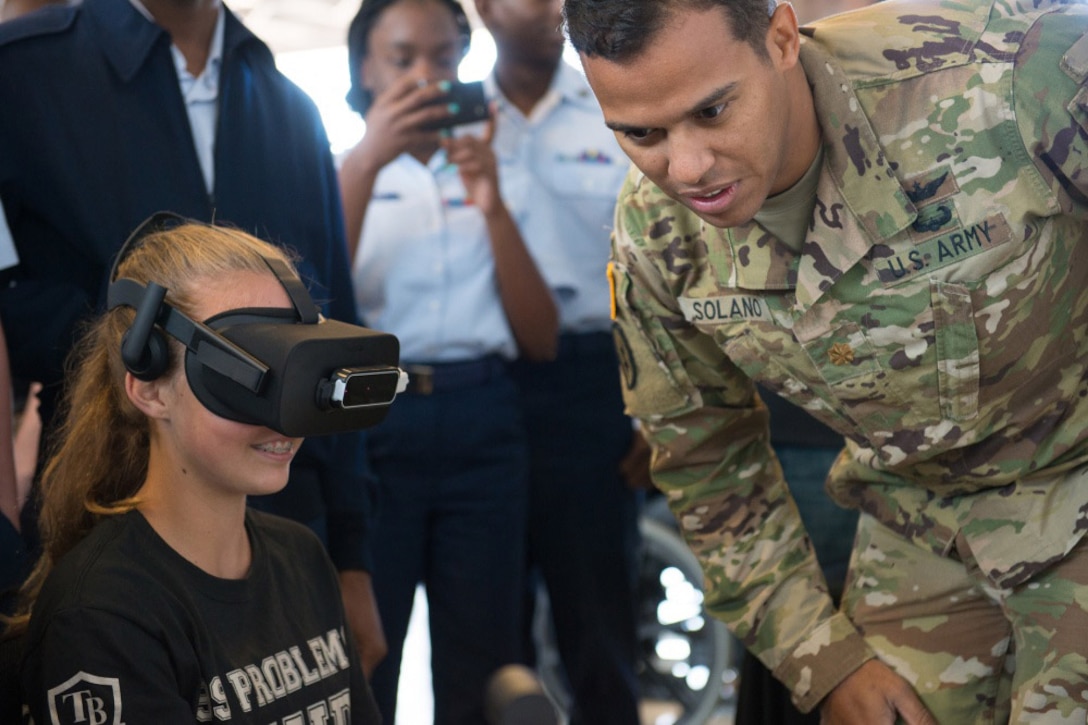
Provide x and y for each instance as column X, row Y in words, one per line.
column 571, row 86
column 128, row 36
column 568, row 86
column 855, row 175
column 856, row 165
column 855, row 160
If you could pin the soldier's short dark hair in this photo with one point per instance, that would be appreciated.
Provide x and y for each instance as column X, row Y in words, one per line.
column 619, row 30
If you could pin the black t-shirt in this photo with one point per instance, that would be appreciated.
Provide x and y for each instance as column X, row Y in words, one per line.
column 127, row 631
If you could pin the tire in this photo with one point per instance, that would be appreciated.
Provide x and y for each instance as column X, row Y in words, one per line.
column 687, row 660
column 687, row 656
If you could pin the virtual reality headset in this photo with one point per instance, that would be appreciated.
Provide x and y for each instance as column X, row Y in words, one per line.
column 284, row 369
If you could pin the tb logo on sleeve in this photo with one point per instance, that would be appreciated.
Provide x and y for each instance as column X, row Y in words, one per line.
column 86, row 700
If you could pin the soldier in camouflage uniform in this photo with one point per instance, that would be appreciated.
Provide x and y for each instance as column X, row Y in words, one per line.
column 930, row 306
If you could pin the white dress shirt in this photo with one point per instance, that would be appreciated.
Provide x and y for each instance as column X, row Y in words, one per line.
column 561, row 170
column 424, row 270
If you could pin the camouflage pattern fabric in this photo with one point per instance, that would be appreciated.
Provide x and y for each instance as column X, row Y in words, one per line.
column 912, row 604
column 935, row 316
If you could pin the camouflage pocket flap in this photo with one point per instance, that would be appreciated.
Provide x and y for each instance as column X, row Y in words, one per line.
column 1019, row 531
column 1078, row 108
column 1075, row 60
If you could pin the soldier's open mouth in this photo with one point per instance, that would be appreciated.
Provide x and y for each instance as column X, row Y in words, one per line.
column 712, row 202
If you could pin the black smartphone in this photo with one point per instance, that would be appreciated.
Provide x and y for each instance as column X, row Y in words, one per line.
column 471, row 105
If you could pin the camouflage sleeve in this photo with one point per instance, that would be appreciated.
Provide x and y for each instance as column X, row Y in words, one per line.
column 1050, row 85
column 713, row 460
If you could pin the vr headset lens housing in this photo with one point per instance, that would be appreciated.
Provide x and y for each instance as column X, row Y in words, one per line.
column 299, row 394
column 285, row 369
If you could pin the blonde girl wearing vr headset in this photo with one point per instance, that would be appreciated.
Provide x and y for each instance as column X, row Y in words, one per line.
column 160, row 597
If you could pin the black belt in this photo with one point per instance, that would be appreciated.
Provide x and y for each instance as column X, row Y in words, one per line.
column 429, row 378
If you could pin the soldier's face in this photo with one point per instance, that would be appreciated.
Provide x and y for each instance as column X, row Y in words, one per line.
column 706, row 117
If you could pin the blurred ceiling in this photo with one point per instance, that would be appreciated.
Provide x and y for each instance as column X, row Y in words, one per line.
column 289, row 25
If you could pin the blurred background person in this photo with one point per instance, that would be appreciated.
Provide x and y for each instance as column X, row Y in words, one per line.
column 561, row 170
column 809, row 10
column 15, row 469
column 13, row 553
column 439, row 262
column 14, row 8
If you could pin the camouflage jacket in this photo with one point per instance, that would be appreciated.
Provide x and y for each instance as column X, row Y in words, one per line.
column 935, row 316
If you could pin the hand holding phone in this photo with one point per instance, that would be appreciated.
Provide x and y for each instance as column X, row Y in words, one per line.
column 396, row 120
column 467, row 104
column 476, row 162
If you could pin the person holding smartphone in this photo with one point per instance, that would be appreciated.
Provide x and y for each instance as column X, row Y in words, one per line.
column 562, row 169
column 439, row 262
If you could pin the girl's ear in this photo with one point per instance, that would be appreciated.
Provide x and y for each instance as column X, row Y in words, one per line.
column 151, row 397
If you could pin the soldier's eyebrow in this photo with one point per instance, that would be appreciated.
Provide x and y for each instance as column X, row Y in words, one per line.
column 710, row 99
column 622, row 127
column 713, row 98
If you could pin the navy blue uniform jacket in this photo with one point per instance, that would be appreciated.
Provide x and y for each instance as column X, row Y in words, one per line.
column 94, row 137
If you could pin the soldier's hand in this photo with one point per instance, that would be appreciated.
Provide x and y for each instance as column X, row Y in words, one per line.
column 874, row 695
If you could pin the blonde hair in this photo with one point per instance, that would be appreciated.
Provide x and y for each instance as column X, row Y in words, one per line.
column 99, row 458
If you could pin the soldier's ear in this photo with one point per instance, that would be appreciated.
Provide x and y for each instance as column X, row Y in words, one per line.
column 783, row 38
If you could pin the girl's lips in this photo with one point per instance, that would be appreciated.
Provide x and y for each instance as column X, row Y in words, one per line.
column 281, row 449
column 713, row 203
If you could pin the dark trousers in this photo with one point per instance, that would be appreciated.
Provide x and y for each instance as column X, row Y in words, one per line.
column 450, row 513
column 583, row 528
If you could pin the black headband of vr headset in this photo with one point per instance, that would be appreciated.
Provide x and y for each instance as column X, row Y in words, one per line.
column 285, row 369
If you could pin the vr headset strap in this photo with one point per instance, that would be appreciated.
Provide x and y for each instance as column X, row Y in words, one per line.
column 300, row 298
column 212, row 350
